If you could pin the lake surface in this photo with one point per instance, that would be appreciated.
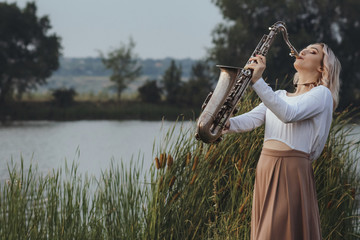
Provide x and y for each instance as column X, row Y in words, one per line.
column 91, row 144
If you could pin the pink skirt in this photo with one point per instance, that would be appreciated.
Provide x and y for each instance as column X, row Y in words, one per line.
column 285, row 205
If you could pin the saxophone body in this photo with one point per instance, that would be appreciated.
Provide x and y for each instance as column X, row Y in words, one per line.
column 221, row 104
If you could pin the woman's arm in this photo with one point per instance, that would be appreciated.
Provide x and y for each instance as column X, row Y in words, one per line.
column 307, row 106
column 248, row 121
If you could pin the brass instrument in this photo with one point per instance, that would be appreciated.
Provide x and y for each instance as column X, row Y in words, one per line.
column 233, row 81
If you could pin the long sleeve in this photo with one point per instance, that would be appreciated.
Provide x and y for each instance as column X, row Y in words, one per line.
column 248, row 121
column 307, row 106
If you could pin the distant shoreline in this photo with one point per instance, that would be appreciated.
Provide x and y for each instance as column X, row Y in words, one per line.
column 110, row 110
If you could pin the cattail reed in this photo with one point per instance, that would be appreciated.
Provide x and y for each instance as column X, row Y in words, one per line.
column 174, row 198
column 157, row 163
column 239, row 164
column 196, row 161
column 162, row 160
column 170, row 161
column 208, row 152
column 193, row 179
column 238, row 182
column 161, row 181
column 188, row 158
column 172, row 180
column 329, row 205
column 241, row 209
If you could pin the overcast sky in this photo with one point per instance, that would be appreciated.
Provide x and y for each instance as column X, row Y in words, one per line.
column 159, row 28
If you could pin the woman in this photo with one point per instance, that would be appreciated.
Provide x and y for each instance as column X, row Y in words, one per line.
column 296, row 128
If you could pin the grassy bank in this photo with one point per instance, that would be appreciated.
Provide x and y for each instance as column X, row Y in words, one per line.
column 193, row 191
column 90, row 110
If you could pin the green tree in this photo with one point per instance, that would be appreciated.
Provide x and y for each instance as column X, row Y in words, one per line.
column 64, row 97
column 334, row 22
column 199, row 85
column 28, row 54
column 150, row 92
column 124, row 65
column 172, row 82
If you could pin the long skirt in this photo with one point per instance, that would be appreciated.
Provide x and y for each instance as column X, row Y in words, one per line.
column 285, row 205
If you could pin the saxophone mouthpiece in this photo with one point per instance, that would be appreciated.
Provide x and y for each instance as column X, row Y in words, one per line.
column 294, row 54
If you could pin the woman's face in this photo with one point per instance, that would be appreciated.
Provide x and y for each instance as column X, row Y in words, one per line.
column 310, row 59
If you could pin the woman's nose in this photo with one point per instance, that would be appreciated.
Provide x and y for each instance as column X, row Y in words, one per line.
column 303, row 52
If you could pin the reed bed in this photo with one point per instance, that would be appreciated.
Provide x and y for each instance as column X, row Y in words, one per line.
column 67, row 205
column 206, row 193
column 192, row 191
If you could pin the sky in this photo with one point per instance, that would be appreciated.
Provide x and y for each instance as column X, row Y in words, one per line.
column 159, row 28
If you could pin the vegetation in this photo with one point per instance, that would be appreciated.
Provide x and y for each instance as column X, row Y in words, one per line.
column 150, row 92
column 124, row 66
column 331, row 21
column 172, row 83
column 29, row 54
column 93, row 110
column 64, row 97
column 194, row 91
column 193, row 191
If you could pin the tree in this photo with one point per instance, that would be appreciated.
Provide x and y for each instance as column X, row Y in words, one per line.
column 172, row 82
column 64, row 97
column 124, row 66
column 150, row 92
column 199, row 85
column 334, row 22
column 28, row 54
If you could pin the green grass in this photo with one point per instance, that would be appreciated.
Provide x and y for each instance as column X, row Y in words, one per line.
column 66, row 205
column 193, row 191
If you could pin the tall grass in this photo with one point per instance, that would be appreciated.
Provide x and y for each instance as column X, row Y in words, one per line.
column 67, row 205
column 192, row 191
column 207, row 191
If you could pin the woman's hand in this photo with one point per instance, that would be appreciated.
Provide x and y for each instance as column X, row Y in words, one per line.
column 226, row 127
column 258, row 66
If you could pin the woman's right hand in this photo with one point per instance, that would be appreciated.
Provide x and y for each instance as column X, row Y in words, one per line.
column 258, row 66
column 226, row 127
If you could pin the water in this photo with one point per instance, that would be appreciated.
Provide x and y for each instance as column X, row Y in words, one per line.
column 91, row 144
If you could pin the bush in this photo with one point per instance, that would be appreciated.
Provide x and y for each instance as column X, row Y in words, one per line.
column 64, row 97
column 150, row 92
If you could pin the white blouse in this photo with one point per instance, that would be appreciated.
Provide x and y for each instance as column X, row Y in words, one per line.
column 302, row 122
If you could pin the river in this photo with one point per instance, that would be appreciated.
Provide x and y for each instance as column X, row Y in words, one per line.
column 91, row 144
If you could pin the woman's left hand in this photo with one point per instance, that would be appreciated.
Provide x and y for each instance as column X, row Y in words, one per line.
column 258, row 66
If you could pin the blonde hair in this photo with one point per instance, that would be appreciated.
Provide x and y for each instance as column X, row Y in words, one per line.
column 330, row 77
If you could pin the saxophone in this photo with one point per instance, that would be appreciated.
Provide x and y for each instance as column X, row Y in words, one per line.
column 219, row 105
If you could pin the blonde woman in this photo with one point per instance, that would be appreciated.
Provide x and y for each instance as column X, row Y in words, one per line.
column 296, row 128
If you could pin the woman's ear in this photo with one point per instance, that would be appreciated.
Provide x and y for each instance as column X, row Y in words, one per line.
column 320, row 69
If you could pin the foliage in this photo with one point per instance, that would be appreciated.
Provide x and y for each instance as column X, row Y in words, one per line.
column 331, row 21
column 194, row 91
column 124, row 66
column 67, row 205
column 64, row 97
column 150, row 92
column 206, row 190
column 196, row 191
column 28, row 53
column 108, row 109
column 172, row 82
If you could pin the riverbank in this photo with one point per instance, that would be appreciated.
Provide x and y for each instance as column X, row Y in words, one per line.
column 90, row 110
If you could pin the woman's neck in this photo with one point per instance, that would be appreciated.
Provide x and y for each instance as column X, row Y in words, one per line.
column 306, row 81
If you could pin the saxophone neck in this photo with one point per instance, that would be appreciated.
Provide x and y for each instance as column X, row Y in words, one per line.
column 281, row 25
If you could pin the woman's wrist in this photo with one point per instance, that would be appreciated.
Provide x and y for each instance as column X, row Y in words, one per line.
column 254, row 80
